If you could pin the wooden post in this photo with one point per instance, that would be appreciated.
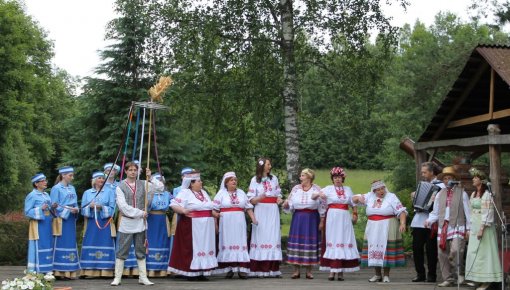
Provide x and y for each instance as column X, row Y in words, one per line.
column 495, row 165
column 420, row 156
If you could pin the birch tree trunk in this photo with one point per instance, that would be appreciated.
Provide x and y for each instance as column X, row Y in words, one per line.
column 289, row 93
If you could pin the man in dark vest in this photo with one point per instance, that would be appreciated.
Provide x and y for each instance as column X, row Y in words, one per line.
column 131, row 202
column 422, row 236
column 452, row 212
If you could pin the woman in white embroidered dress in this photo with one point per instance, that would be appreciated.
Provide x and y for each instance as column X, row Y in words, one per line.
column 232, row 202
column 339, row 245
column 382, row 245
column 265, row 246
column 194, row 249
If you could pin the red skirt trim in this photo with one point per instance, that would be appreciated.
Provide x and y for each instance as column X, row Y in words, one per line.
column 264, row 266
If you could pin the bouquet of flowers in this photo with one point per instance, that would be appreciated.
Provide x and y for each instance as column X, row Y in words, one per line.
column 32, row 281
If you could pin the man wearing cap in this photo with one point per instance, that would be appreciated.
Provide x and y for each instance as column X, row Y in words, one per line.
column 422, row 237
column 452, row 212
column 63, row 196
column 37, row 209
column 132, row 199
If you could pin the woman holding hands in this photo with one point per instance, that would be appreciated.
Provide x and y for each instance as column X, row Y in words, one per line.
column 382, row 244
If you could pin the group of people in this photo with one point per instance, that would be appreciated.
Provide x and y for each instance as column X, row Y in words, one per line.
column 321, row 231
column 456, row 219
column 105, row 247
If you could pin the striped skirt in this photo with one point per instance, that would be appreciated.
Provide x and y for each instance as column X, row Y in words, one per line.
column 303, row 245
column 394, row 252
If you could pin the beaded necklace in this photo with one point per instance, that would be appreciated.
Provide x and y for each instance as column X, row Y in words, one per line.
column 199, row 195
column 233, row 197
column 340, row 192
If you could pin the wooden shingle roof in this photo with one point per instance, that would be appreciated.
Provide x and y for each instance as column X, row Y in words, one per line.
column 467, row 110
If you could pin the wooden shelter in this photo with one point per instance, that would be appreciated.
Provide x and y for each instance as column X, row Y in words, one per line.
column 475, row 116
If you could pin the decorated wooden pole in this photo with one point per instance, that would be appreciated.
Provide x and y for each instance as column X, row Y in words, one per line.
column 156, row 93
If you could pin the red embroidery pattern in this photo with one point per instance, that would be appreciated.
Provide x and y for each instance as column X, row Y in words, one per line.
column 330, row 245
column 377, row 203
column 233, row 197
column 267, row 186
column 265, row 246
column 377, row 255
column 203, row 254
column 449, row 195
column 340, row 192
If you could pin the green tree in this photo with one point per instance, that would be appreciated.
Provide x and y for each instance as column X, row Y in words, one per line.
column 35, row 101
column 429, row 60
column 241, row 31
column 131, row 65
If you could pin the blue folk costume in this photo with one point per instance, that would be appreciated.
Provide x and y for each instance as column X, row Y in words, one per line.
column 40, row 238
column 158, row 234
column 98, row 249
column 65, row 255
column 111, row 185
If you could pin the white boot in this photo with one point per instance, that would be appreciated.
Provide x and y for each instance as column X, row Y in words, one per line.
column 119, row 268
column 142, row 273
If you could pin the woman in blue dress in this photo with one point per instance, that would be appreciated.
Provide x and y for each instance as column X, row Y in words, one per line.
column 98, row 249
column 158, row 232
column 65, row 257
column 40, row 238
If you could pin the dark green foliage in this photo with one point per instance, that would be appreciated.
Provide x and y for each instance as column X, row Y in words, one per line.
column 428, row 62
column 35, row 104
column 131, row 65
column 13, row 242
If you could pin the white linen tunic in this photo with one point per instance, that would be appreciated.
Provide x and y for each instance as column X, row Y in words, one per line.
column 233, row 245
column 340, row 240
column 265, row 237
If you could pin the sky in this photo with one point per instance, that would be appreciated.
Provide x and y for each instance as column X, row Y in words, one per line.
column 77, row 27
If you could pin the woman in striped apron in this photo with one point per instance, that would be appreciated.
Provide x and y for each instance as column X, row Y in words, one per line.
column 382, row 244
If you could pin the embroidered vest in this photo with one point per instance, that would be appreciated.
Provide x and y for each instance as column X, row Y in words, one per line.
column 457, row 215
column 140, row 194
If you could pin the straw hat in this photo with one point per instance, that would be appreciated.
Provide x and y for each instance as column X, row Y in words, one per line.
column 449, row 170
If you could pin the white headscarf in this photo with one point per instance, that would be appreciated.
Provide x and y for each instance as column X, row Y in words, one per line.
column 186, row 180
column 376, row 184
column 225, row 176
